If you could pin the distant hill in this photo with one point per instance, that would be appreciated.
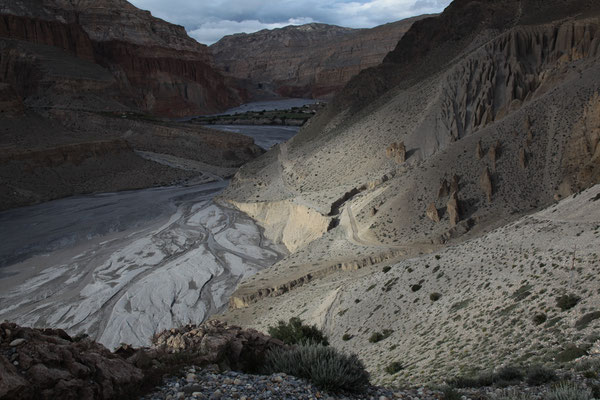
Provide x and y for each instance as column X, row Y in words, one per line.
column 313, row 60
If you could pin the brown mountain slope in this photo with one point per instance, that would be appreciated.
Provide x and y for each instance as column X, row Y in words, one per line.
column 157, row 67
column 79, row 81
column 313, row 60
column 478, row 118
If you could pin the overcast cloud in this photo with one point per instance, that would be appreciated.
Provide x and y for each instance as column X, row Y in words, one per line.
column 207, row 21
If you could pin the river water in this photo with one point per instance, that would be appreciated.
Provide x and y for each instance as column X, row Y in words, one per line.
column 123, row 266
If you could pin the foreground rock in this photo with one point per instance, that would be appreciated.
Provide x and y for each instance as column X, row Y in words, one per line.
column 216, row 343
column 211, row 384
column 47, row 364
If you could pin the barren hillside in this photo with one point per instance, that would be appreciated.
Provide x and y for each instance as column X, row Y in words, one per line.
column 478, row 119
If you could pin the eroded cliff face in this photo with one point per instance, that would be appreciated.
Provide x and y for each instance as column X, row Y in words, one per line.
column 158, row 68
column 314, row 60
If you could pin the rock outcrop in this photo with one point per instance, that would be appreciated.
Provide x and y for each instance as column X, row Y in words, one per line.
column 157, row 67
column 444, row 189
column 216, row 343
column 432, row 212
column 478, row 151
column 493, row 152
column 485, row 182
column 314, row 60
column 452, row 207
column 49, row 364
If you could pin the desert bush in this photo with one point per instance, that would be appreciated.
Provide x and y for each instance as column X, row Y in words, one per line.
column 570, row 353
column 449, row 393
column 295, row 332
column 435, row 296
column 539, row 319
column 323, row 366
column 394, row 368
column 386, row 269
column 347, row 337
column 584, row 321
column 538, row 375
column 505, row 376
column 509, row 373
column 569, row 391
column 567, row 301
column 379, row 336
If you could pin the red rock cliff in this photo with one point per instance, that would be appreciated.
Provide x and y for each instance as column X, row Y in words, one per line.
column 157, row 66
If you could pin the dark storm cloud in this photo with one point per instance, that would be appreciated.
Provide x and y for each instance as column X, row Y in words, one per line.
column 208, row 21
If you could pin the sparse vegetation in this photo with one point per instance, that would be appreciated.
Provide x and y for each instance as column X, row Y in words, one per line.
column 394, row 368
column 539, row 375
column 347, row 337
column 435, row 296
column 539, row 319
column 324, row 366
column 584, row 321
column 570, row 353
column 567, row 302
column 569, row 391
column 295, row 332
column 379, row 336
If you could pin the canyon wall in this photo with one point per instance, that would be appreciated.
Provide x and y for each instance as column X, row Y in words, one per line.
column 157, row 67
column 313, row 60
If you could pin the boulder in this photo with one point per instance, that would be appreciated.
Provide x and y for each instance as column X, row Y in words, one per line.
column 48, row 364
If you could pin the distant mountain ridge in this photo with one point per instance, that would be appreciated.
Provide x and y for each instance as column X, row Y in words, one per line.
column 312, row 60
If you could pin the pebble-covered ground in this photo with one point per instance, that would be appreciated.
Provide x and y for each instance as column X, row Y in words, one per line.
column 209, row 384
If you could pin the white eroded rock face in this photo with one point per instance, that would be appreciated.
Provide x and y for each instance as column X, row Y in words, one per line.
column 286, row 222
column 125, row 286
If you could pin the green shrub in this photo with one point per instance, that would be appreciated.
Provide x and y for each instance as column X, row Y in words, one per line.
column 435, row 296
column 416, row 288
column 386, row 269
column 504, row 377
column 570, row 353
column 584, row 321
column 323, row 366
column 450, row 393
column 569, row 391
column 347, row 337
column 567, row 301
column 539, row 319
column 509, row 374
column 379, row 336
column 394, row 368
column 295, row 332
column 538, row 375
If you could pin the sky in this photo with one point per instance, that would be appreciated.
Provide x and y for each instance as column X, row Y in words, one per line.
column 209, row 20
